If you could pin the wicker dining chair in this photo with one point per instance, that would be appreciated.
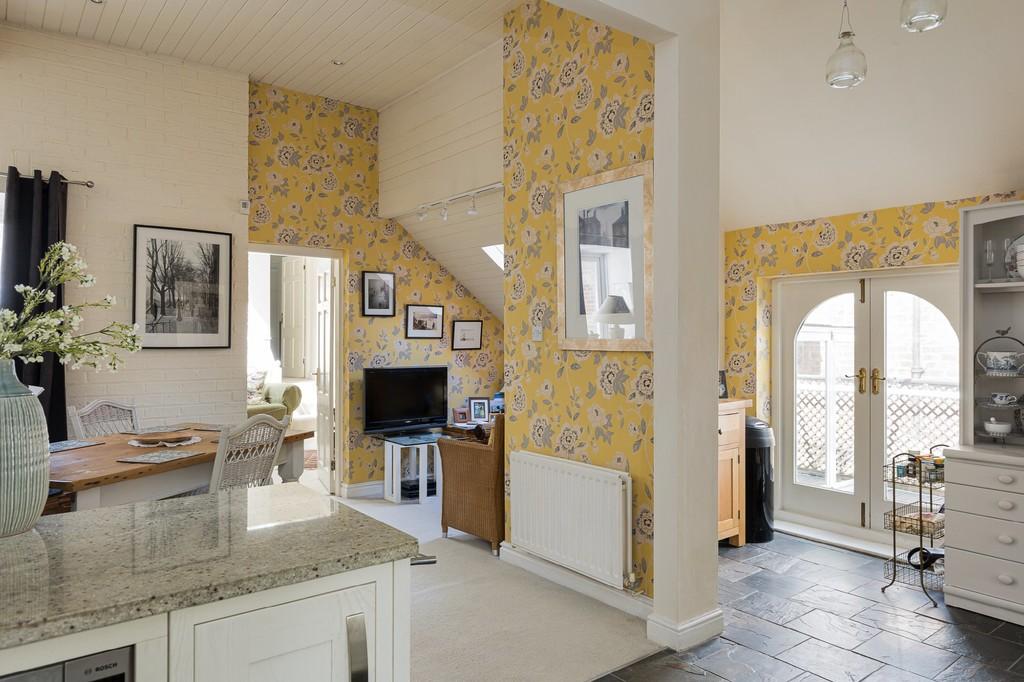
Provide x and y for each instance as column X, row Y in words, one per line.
column 101, row 418
column 246, row 453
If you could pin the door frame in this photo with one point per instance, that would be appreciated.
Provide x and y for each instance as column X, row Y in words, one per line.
column 337, row 376
column 835, row 531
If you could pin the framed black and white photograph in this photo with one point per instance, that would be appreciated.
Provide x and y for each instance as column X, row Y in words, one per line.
column 424, row 321
column 467, row 334
column 479, row 410
column 378, row 294
column 723, row 388
column 182, row 287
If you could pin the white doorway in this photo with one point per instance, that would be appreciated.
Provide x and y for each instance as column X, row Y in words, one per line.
column 295, row 336
column 865, row 367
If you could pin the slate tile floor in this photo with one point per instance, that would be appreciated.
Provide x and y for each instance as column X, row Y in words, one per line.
column 799, row 611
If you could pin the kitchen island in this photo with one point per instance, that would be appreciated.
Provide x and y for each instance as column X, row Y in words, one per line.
column 276, row 581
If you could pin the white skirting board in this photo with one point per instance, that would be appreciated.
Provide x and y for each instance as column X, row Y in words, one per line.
column 635, row 605
column 368, row 489
column 683, row 636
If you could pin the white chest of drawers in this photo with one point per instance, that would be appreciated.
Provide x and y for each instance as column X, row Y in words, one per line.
column 985, row 532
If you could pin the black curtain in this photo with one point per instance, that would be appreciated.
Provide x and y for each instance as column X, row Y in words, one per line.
column 35, row 217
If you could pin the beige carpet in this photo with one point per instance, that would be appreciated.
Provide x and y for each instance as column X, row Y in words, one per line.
column 475, row 617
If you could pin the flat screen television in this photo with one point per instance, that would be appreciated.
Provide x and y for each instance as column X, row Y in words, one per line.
column 401, row 399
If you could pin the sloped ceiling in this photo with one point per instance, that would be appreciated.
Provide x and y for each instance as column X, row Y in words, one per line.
column 456, row 244
column 939, row 116
column 389, row 46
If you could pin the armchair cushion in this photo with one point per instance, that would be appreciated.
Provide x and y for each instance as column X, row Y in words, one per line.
column 279, row 401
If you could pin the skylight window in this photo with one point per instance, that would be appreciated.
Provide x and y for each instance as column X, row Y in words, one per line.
column 496, row 253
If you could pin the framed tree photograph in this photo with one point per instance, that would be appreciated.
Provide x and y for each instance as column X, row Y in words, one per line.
column 378, row 294
column 467, row 334
column 479, row 410
column 424, row 321
column 182, row 287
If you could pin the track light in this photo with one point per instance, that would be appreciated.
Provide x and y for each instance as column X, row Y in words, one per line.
column 472, row 207
column 422, row 213
column 444, row 210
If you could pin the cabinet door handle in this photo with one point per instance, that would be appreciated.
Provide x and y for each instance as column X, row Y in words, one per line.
column 1006, row 579
column 1005, row 539
column 1005, row 478
column 358, row 655
column 719, row 432
column 1006, row 505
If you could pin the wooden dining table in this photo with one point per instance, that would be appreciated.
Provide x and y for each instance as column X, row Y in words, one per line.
column 97, row 479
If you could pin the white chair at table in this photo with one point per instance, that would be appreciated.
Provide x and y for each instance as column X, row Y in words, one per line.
column 101, row 418
column 246, row 453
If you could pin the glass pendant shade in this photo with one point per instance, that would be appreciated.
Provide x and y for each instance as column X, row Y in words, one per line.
column 847, row 67
column 918, row 16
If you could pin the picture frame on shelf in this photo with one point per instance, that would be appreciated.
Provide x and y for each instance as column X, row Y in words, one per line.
column 480, row 410
column 181, row 287
column 467, row 334
column 378, row 294
column 424, row 321
column 723, row 387
column 460, row 415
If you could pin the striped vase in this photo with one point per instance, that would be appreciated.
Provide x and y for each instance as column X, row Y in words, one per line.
column 24, row 454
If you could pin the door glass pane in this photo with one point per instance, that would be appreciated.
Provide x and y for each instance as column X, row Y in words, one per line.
column 922, row 370
column 823, row 400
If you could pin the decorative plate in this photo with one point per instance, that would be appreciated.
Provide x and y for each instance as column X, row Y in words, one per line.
column 1010, row 258
column 139, row 444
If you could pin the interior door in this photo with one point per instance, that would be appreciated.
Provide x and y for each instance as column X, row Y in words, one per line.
column 326, row 375
column 914, row 375
column 293, row 317
column 823, row 426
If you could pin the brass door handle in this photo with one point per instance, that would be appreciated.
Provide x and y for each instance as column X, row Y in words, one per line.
column 876, row 381
column 862, row 380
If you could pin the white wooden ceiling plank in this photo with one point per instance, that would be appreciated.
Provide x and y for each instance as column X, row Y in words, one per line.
column 160, row 25
column 364, row 45
column 144, row 24
column 99, row 21
column 227, row 13
column 34, row 13
column 287, row 39
column 72, row 19
column 267, row 35
column 54, row 15
column 342, row 15
column 126, row 22
column 412, row 33
column 179, row 26
column 196, row 28
column 17, row 11
column 255, row 17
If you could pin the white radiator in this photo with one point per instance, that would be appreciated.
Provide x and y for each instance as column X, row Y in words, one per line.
column 573, row 514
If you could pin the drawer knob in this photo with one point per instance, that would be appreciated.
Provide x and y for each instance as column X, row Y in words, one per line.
column 1006, row 579
column 1006, row 505
column 1005, row 539
column 1006, row 478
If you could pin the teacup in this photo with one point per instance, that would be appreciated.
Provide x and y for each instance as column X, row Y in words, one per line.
column 1004, row 399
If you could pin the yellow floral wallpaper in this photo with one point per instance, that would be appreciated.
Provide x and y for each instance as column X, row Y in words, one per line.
column 578, row 99
column 313, row 182
column 908, row 236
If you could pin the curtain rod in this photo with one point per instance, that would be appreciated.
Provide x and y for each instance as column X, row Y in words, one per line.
column 84, row 183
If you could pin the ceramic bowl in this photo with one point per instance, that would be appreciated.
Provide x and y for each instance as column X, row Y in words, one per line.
column 997, row 428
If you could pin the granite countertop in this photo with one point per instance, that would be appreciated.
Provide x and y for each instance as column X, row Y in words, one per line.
column 89, row 569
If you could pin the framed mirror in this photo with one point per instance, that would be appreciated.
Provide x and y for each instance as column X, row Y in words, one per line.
column 605, row 259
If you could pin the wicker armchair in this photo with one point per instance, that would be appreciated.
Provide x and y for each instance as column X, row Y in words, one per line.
column 473, row 495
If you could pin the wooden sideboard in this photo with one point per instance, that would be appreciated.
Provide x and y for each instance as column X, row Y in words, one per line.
column 732, row 470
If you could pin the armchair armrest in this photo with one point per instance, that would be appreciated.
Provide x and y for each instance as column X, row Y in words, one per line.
column 288, row 395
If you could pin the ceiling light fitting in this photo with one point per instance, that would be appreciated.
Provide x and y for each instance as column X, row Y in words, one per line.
column 847, row 67
column 472, row 208
column 424, row 209
column 444, row 210
column 336, row 62
column 918, row 16
column 422, row 213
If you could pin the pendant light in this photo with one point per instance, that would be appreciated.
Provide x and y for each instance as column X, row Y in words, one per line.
column 847, row 67
column 918, row 16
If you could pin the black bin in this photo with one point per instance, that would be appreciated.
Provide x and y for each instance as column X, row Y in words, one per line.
column 760, row 481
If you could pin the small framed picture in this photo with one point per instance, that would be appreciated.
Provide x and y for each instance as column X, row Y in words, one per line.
column 723, row 389
column 182, row 287
column 378, row 294
column 467, row 334
column 424, row 321
column 460, row 415
column 480, row 410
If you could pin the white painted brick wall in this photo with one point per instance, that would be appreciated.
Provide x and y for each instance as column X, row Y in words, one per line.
column 167, row 144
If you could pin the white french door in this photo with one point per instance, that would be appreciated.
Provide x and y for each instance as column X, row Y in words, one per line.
column 865, row 368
